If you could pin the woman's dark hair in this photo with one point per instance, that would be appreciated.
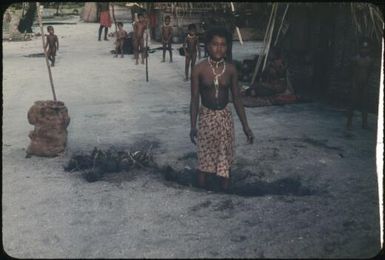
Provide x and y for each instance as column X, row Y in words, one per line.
column 119, row 23
column 167, row 17
column 218, row 31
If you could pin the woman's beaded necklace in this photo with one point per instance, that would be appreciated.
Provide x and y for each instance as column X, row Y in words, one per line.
column 217, row 75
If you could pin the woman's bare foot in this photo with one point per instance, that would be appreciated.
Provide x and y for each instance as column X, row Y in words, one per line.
column 225, row 184
column 201, row 180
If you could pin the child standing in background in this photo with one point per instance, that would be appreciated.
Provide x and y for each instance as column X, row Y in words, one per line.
column 166, row 37
column 53, row 45
column 191, row 47
column 139, row 27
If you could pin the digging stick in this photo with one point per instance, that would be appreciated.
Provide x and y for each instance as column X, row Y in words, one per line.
column 113, row 17
column 147, row 53
column 39, row 11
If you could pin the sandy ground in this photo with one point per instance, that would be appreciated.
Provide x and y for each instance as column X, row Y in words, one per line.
column 50, row 213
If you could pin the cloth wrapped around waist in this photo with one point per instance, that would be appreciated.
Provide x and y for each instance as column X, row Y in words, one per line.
column 215, row 141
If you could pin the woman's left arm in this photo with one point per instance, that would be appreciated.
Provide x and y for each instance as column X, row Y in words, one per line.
column 238, row 104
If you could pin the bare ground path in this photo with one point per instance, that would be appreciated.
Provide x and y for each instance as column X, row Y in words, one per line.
column 51, row 213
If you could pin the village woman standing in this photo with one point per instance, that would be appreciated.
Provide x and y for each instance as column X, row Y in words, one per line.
column 104, row 19
column 212, row 80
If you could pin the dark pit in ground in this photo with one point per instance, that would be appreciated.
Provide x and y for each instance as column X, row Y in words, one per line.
column 35, row 55
column 114, row 165
column 283, row 186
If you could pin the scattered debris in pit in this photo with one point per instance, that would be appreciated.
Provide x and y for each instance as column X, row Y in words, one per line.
column 98, row 163
column 145, row 144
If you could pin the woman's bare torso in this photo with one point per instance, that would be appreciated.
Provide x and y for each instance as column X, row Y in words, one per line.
column 207, row 88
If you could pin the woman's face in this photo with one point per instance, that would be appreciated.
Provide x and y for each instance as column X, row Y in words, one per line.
column 217, row 48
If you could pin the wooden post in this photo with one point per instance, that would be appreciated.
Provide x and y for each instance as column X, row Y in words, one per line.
column 113, row 17
column 236, row 27
column 147, row 49
column 45, row 53
column 280, row 27
column 266, row 42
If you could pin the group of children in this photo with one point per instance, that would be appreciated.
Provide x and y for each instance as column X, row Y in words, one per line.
column 190, row 46
column 137, row 41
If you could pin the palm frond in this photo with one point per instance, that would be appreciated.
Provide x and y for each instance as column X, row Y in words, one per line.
column 280, row 27
column 265, row 43
column 367, row 20
column 270, row 38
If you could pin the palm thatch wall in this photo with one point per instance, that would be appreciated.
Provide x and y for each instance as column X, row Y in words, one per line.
column 321, row 41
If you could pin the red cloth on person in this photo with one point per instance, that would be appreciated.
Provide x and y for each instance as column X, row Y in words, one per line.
column 105, row 19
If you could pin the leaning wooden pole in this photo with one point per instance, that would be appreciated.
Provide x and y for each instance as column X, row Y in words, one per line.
column 280, row 27
column 236, row 27
column 147, row 52
column 113, row 17
column 39, row 11
column 265, row 42
column 270, row 38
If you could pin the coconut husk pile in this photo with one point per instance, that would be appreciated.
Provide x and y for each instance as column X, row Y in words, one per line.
column 49, row 138
column 96, row 164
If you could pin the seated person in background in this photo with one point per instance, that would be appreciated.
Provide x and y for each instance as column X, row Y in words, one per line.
column 273, row 78
column 121, row 35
